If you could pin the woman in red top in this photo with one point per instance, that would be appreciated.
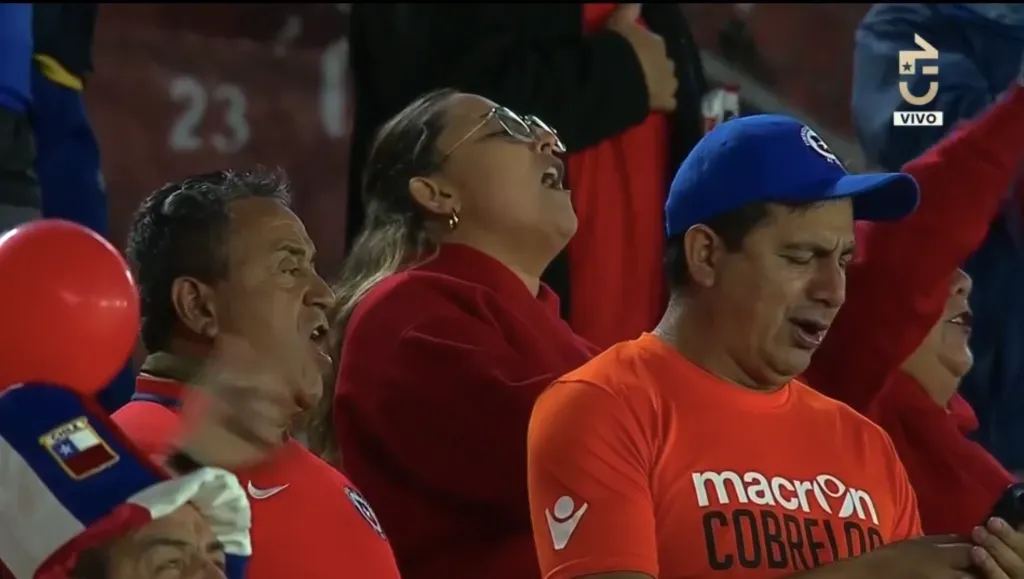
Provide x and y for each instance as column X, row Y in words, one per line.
column 956, row 480
column 898, row 347
column 448, row 335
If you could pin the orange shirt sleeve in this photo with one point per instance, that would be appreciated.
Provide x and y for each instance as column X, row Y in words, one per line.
column 590, row 452
column 907, row 519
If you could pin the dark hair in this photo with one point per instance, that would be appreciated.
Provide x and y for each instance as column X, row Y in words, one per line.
column 396, row 231
column 91, row 564
column 180, row 230
column 732, row 226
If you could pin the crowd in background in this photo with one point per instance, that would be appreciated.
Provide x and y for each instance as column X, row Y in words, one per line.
column 560, row 299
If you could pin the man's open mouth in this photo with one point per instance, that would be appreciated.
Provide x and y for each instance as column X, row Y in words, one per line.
column 319, row 336
column 810, row 332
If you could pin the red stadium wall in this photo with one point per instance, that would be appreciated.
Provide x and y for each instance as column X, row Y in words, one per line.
column 181, row 89
column 186, row 88
column 806, row 51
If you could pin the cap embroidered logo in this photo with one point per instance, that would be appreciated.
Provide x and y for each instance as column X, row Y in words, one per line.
column 818, row 145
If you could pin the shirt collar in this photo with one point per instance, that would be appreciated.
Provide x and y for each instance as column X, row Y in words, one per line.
column 163, row 376
column 469, row 264
column 163, row 380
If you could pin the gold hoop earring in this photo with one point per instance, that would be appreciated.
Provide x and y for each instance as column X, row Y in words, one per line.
column 453, row 220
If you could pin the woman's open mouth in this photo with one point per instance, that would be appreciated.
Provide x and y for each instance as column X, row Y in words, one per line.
column 554, row 176
column 964, row 319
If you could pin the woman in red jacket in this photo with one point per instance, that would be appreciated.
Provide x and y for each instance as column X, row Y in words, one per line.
column 956, row 480
column 448, row 335
column 898, row 346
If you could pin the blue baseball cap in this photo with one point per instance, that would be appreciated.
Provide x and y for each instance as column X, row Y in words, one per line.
column 775, row 158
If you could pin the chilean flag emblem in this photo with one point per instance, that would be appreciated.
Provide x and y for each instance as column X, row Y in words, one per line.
column 78, row 449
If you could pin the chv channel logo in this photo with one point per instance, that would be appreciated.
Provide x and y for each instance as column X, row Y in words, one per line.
column 908, row 67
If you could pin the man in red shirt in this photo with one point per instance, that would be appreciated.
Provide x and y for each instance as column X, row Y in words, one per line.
column 221, row 259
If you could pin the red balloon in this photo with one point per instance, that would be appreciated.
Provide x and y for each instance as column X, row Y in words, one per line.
column 69, row 310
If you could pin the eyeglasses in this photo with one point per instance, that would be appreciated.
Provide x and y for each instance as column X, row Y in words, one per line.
column 524, row 129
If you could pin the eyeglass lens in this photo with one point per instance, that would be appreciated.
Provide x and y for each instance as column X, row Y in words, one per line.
column 523, row 128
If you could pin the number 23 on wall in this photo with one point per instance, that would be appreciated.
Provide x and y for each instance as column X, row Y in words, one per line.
column 231, row 134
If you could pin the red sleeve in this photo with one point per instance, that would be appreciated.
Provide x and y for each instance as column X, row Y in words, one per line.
column 151, row 427
column 437, row 383
column 956, row 480
column 897, row 284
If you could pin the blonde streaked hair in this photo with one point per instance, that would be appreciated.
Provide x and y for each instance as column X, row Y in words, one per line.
column 395, row 236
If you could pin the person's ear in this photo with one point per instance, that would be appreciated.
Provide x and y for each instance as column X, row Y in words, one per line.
column 195, row 307
column 433, row 195
column 702, row 249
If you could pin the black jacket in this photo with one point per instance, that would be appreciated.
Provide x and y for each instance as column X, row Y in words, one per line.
column 531, row 57
column 65, row 32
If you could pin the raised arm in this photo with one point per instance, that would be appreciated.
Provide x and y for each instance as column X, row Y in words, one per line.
column 898, row 282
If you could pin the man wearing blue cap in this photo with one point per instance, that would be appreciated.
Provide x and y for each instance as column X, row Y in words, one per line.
column 693, row 451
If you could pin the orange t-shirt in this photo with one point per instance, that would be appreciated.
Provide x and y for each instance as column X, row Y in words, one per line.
column 641, row 461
